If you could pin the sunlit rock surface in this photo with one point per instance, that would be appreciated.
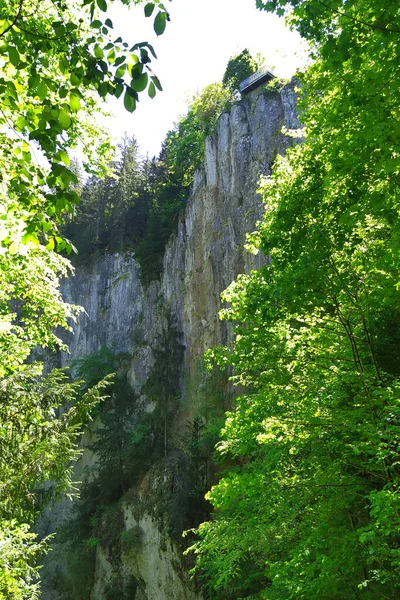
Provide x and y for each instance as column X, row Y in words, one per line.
column 200, row 261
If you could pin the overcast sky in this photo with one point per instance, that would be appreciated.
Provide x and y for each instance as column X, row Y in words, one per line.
column 193, row 52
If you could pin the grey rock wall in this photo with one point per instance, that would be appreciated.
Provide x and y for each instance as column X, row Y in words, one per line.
column 200, row 261
column 202, row 258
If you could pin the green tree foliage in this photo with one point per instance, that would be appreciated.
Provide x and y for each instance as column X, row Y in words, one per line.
column 57, row 60
column 55, row 55
column 162, row 385
column 124, row 445
column 120, row 435
column 37, row 445
column 138, row 205
column 182, row 153
column 310, row 508
column 183, row 148
column 187, row 505
column 31, row 305
column 113, row 211
column 53, row 61
column 239, row 67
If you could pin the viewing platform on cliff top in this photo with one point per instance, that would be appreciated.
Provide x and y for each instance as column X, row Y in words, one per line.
column 263, row 75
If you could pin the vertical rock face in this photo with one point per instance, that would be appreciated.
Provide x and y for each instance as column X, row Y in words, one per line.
column 112, row 296
column 200, row 261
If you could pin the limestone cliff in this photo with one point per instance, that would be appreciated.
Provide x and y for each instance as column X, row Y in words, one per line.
column 200, row 261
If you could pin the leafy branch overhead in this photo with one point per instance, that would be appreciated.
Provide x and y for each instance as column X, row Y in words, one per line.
column 57, row 60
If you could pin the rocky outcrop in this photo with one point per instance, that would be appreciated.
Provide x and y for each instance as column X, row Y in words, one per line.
column 204, row 256
column 200, row 261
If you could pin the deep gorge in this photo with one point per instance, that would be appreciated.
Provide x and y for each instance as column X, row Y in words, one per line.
column 155, row 336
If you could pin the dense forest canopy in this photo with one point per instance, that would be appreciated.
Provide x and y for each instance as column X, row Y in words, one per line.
column 311, row 507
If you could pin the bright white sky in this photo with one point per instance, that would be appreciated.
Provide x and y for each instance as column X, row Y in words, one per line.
column 193, row 52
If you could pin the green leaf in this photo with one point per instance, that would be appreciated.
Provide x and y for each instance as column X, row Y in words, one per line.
column 20, row 123
column 74, row 103
column 60, row 204
column 103, row 89
column 64, row 157
column 75, row 80
column 14, row 248
column 59, row 30
column 46, row 226
column 120, row 72
column 119, row 88
column 144, row 56
column 71, row 248
column 156, row 81
column 42, row 90
column 139, row 84
column 148, row 9
column 102, row 4
column 111, row 56
column 98, row 51
column 135, row 70
column 30, row 238
column 152, row 90
column 64, row 119
column 109, row 23
column 12, row 90
column 14, row 56
column 63, row 64
column 96, row 24
column 160, row 22
column 150, row 47
column 129, row 102
column 134, row 58
column 120, row 60
column 51, row 244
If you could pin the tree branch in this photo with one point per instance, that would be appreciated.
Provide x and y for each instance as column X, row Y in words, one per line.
column 369, row 25
column 21, row 2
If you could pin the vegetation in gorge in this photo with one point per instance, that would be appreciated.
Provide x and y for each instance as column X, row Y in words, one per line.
column 56, row 58
column 37, row 445
column 136, row 450
column 310, row 507
column 123, row 444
